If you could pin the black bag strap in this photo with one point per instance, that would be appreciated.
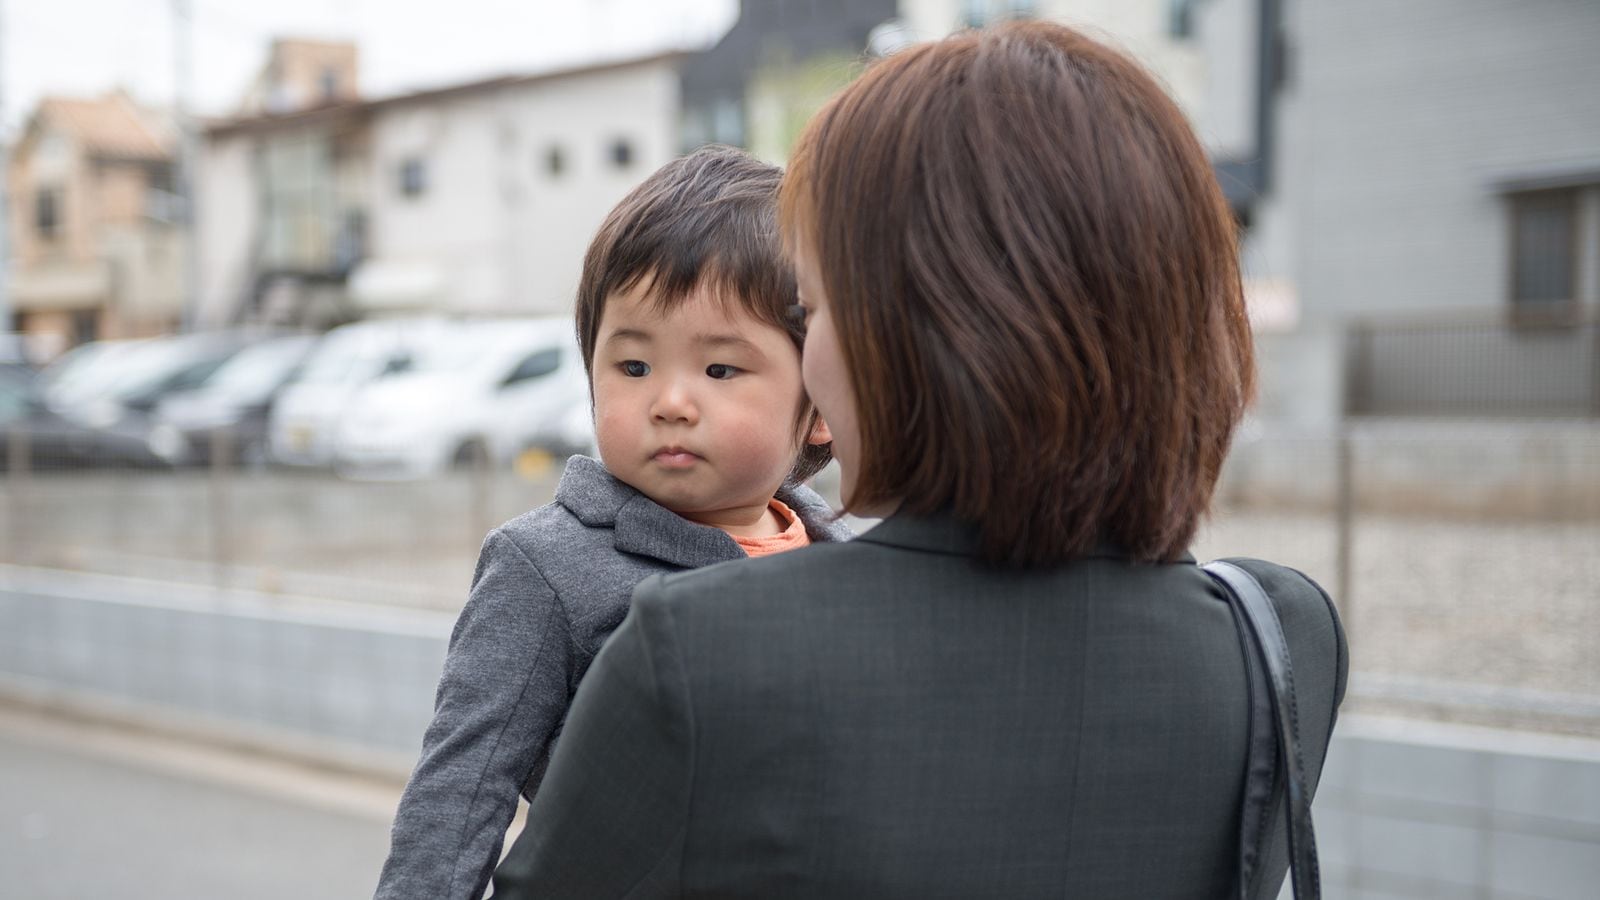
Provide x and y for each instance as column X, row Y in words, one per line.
column 1267, row 649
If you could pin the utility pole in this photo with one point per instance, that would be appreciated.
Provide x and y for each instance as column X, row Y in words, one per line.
column 6, row 316
column 188, row 154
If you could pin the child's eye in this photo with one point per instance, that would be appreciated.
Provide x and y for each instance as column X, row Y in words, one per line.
column 633, row 368
column 796, row 314
column 720, row 371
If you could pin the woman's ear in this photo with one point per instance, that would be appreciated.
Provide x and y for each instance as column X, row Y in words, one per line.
column 819, row 433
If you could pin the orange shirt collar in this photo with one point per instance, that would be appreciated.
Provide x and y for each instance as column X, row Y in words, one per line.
column 793, row 537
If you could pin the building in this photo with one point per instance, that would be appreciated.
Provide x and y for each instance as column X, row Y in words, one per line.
column 476, row 198
column 95, row 249
column 1427, row 204
column 1417, row 184
column 778, row 64
column 1160, row 33
column 303, row 74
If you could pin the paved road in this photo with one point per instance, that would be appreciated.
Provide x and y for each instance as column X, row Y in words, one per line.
column 89, row 812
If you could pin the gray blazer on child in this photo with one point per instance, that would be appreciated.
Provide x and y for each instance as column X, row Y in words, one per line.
column 551, row 585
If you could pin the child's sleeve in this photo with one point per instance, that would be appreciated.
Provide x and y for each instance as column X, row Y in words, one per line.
column 612, row 817
column 502, row 695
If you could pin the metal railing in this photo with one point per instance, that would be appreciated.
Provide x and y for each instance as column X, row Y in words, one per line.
column 1516, row 365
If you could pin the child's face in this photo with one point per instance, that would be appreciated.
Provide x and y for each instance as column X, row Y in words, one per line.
column 696, row 407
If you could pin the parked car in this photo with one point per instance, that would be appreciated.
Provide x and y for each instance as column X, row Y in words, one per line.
column 304, row 421
column 54, row 441
column 475, row 399
column 569, row 432
column 237, row 397
column 121, row 384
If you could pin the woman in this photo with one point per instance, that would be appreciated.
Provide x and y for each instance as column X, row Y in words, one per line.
column 1026, row 332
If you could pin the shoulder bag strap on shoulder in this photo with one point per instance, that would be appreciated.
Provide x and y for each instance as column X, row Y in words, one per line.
column 1260, row 619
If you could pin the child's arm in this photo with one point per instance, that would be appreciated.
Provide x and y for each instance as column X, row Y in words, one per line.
column 501, row 696
column 612, row 817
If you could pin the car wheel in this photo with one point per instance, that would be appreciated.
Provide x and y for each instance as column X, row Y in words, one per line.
column 472, row 454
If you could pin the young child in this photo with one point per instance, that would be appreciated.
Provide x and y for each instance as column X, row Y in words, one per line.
column 705, row 436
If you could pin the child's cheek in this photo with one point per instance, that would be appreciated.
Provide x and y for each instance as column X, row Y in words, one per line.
column 760, row 443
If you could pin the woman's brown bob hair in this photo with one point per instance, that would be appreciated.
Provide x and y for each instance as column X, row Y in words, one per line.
column 1034, row 280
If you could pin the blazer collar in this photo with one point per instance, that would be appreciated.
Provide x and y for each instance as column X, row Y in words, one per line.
column 646, row 528
column 943, row 533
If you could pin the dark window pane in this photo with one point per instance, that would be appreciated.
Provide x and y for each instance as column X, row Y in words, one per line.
column 621, row 153
column 1180, row 18
column 555, row 161
column 536, row 365
column 47, row 212
column 975, row 12
column 413, row 177
column 1544, row 260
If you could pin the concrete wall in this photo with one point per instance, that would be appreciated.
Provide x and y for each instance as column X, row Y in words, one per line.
column 1538, row 470
column 336, row 681
column 1404, row 809
column 1409, row 810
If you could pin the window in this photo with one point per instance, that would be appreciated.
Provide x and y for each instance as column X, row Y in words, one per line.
column 329, row 83
column 974, row 13
column 1544, row 250
column 536, row 365
column 621, row 153
column 727, row 121
column 47, row 212
column 1180, row 19
column 413, row 177
column 1021, row 9
column 555, row 161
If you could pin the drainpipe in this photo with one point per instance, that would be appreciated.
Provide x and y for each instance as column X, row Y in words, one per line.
column 1246, row 180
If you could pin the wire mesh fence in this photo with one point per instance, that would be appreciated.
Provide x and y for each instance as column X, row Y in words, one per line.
column 1464, row 556
column 300, row 532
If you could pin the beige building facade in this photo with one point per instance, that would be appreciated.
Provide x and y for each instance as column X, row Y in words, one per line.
column 96, row 251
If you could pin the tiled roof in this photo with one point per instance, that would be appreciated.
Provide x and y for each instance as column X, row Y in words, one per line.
column 110, row 126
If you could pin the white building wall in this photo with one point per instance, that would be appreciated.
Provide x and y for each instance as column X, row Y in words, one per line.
column 505, row 233
column 229, row 213
column 1137, row 26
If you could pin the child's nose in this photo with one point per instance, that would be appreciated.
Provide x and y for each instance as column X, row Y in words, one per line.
column 675, row 404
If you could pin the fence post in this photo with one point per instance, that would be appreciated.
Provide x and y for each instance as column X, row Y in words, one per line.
column 220, row 509
column 1594, row 367
column 481, row 476
column 18, row 463
column 1358, row 376
column 1345, row 524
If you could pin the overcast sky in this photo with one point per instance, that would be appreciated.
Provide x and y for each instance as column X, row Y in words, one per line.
column 84, row 47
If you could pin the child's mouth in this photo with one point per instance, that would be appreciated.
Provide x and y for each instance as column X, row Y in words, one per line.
column 675, row 458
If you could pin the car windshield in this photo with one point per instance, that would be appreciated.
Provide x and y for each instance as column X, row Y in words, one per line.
column 256, row 371
column 88, row 370
column 163, row 360
column 455, row 351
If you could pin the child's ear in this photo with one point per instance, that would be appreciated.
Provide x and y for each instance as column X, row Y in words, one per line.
column 820, row 434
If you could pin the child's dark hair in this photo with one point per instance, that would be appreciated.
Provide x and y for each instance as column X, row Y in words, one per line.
column 707, row 219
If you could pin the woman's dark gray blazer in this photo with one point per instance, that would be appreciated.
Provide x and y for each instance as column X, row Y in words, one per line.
column 886, row 718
